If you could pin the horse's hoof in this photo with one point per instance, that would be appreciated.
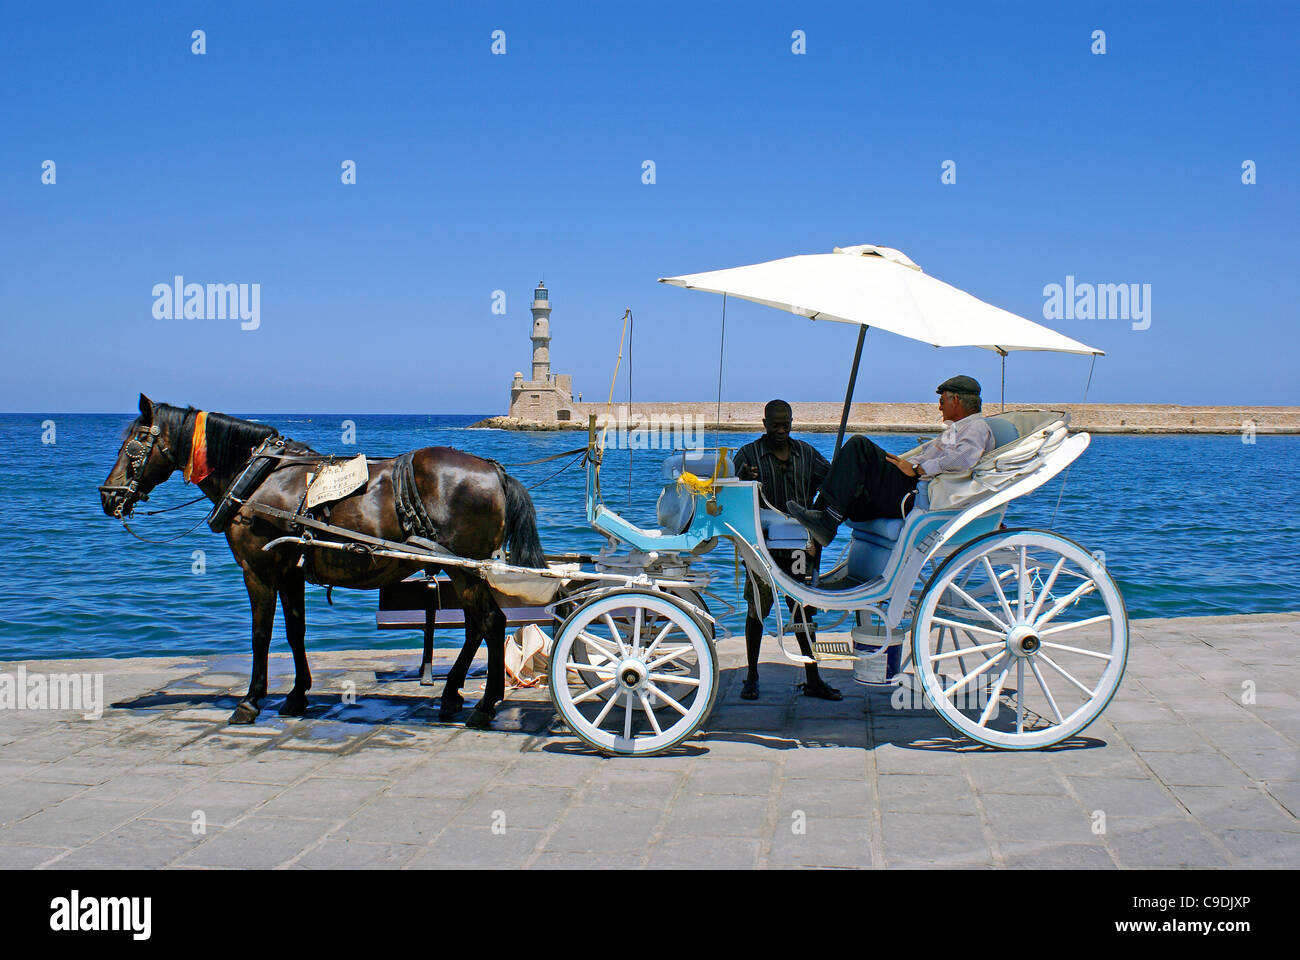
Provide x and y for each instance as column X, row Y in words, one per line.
column 426, row 675
column 295, row 705
column 244, row 713
column 450, row 707
column 480, row 719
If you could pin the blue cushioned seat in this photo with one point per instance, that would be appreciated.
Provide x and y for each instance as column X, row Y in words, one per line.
column 781, row 532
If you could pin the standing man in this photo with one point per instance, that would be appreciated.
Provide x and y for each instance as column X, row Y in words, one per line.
column 786, row 469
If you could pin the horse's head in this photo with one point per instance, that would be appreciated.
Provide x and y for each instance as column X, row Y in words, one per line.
column 145, row 460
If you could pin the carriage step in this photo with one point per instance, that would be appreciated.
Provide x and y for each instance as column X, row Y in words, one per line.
column 833, row 650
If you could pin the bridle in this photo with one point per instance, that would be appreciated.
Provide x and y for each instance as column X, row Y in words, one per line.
column 138, row 451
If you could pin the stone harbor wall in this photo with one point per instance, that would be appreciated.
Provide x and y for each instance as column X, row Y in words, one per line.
column 824, row 416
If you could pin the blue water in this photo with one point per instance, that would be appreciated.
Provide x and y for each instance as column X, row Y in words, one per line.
column 1189, row 525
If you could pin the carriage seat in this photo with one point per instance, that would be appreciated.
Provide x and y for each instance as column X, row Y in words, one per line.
column 781, row 532
column 675, row 507
column 698, row 462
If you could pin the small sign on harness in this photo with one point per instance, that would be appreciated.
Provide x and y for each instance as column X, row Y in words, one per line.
column 336, row 480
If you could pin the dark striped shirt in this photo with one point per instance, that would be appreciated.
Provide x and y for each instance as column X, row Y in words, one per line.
column 797, row 478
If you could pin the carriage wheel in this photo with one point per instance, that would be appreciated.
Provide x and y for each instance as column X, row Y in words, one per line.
column 655, row 672
column 1020, row 639
column 592, row 657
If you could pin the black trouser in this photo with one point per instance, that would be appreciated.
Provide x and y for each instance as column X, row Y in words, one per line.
column 863, row 485
column 759, row 605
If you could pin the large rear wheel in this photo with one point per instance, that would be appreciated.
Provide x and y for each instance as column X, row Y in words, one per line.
column 1020, row 639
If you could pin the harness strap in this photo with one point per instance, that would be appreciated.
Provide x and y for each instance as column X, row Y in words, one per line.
column 407, row 503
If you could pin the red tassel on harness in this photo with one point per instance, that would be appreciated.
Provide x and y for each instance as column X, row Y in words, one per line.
column 197, row 469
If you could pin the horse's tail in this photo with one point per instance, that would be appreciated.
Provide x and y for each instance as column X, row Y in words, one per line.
column 521, row 525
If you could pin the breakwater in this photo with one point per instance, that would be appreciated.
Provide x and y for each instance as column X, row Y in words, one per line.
column 824, row 416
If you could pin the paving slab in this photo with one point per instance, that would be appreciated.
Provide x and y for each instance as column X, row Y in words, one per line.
column 1183, row 771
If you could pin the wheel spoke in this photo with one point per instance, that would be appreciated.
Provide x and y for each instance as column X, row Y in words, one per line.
column 979, row 606
column 1047, row 588
column 1048, row 660
column 970, row 676
column 1081, row 590
column 1086, row 653
column 957, row 653
column 1038, row 675
column 969, row 627
column 1061, row 628
column 683, row 681
column 1022, row 585
column 1020, row 686
column 618, row 637
column 645, row 705
column 627, row 719
column 996, row 692
column 604, row 712
column 600, row 670
column 669, row 657
column 997, row 587
column 649, row 651
column 938, row 647
column 667, row 699
column 604, row 651
column 636, row 633
column 594, row 691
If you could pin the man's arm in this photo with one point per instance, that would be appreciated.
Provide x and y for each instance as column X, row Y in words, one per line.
column 961, row 452
column 820, row 468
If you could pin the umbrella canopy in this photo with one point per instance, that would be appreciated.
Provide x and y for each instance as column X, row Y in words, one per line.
column 880, row 287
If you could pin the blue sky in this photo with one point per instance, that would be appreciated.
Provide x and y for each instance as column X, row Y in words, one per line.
column 478, row 172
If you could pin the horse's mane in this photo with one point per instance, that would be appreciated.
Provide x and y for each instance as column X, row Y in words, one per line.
column 230, row 439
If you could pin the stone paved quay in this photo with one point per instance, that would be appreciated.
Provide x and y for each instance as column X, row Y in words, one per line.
column 1184, row 772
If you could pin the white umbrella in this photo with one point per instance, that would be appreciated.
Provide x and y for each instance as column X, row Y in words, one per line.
column 881, row 287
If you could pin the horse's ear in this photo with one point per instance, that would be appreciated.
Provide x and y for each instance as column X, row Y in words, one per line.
column 146, row 410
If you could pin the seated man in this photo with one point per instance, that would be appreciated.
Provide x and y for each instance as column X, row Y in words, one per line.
column 865, row 482
column 786, row 469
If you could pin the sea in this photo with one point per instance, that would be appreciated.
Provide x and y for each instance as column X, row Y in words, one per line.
column 1189, row 525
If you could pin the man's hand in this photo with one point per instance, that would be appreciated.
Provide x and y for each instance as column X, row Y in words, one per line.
column 907, row 469
column 747, row 472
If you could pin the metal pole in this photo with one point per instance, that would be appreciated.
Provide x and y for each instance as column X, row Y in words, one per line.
column 848, row 394
column 1004, row 381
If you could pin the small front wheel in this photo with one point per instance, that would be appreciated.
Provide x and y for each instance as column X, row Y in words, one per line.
column 632, row 673
column 1020, row 639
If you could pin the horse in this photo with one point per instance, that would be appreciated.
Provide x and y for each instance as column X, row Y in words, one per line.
column 476, row 509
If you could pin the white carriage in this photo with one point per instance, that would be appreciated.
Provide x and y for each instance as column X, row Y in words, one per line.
column 1017, row 637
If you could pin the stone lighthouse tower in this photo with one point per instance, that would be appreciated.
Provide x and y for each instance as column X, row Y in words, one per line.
column 545, row 397
column 541, row 335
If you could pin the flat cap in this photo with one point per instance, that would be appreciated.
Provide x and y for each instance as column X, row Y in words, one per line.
column 959, row 384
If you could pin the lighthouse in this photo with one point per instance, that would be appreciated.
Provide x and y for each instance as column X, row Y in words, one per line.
column 541, row 334
column 544, row 397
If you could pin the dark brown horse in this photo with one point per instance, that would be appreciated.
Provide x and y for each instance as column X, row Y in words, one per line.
column 476, row 509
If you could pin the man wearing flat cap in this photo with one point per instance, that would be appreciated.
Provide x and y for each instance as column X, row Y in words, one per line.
column 865, row 482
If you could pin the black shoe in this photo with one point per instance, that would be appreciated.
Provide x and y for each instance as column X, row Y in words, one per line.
column 819, row 524
column 821, row 690
column 749, row 690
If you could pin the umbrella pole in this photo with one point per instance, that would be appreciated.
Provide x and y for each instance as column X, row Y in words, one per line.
column 1004, row 381
column 848, row 394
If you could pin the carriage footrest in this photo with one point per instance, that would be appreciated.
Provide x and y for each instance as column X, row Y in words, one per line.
column 833, row 650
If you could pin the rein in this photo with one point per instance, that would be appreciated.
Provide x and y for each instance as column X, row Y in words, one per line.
column 185, row 533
